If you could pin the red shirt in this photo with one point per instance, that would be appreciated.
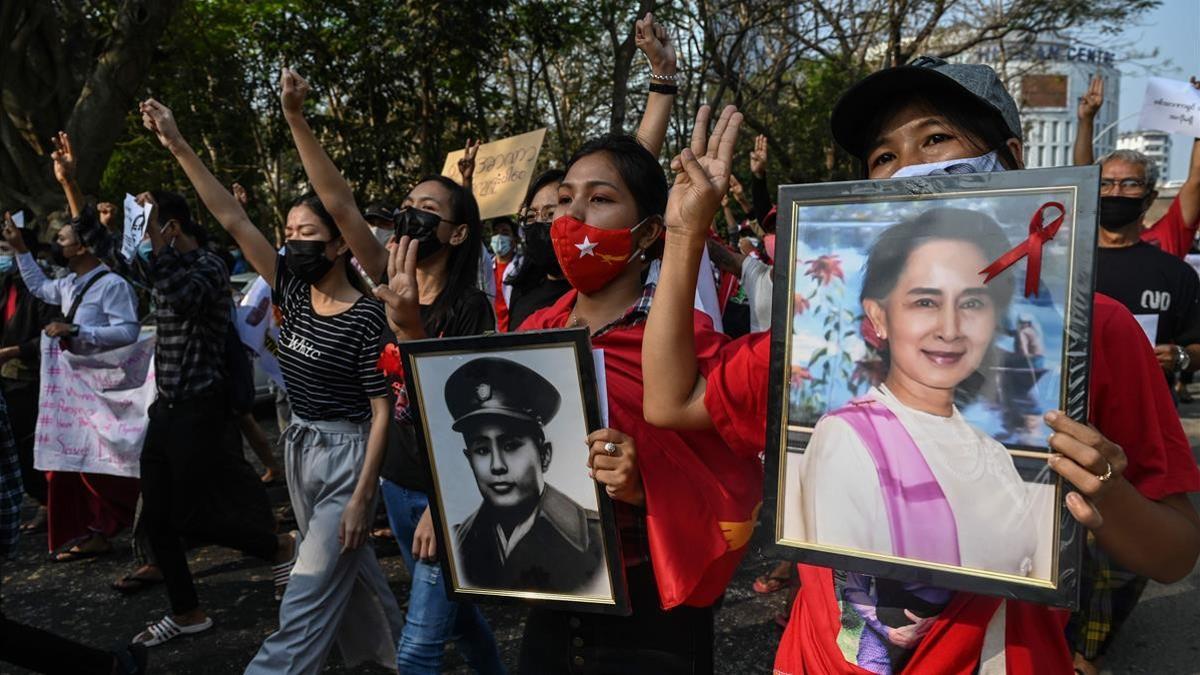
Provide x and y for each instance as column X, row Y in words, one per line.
column 1130, row 405
column 1172, row 233
column 501, row 305
column 697, row 490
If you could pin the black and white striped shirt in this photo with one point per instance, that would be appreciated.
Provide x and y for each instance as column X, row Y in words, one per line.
column 328, row 362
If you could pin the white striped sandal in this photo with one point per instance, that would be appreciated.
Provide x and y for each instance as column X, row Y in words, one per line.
column 283, row 571
column 166, row 629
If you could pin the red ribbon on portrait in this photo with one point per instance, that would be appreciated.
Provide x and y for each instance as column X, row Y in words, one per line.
column 1031, row 247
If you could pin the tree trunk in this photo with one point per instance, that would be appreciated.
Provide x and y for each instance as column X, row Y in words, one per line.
column 50, row 81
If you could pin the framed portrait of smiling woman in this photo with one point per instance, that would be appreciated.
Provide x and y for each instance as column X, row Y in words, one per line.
column 504, row 421
column 921, row 329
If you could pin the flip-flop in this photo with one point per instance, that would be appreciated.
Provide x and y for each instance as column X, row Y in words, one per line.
column 35, row 526
column 167, row 629
column 131, row 584
column 69, row 552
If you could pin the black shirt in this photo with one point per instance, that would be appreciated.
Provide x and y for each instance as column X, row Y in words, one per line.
column 404, row 464
column 328, row 362
column 526, row 300
column 1149, row 281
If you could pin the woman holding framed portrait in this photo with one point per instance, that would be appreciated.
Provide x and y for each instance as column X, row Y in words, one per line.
column 922, row 118
column 703, row 496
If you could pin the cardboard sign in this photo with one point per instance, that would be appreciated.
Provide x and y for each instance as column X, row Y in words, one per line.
column 1171, row 106
column 503, row 170
column 18, row 219
column 94, row 409
column 136, row 217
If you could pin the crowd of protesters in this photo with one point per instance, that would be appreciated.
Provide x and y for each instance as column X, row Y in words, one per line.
column 351, row 283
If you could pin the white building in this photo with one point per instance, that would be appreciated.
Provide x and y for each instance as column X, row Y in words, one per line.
column 1046, row 79
column 1154, row 144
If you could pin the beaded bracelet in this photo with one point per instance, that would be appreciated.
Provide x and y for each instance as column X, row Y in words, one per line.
column 664, row 78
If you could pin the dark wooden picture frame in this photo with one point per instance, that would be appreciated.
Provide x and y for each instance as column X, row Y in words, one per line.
column 426, row 364
column 785, row 436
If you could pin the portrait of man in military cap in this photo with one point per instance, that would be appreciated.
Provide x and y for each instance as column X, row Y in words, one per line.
column 526, row 535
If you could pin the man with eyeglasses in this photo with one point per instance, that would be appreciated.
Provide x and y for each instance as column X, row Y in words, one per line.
column 1161, row 290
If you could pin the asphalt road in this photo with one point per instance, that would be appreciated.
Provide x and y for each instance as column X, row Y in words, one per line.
column 74, row 600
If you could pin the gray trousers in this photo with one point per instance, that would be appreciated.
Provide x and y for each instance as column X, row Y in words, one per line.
column 331, row 595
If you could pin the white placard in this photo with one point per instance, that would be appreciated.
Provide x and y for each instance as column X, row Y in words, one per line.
column 136, row 217
column 1172, row 106
column 258, row 329
column 92, row 415
column 19, row 219
column 1149, row 324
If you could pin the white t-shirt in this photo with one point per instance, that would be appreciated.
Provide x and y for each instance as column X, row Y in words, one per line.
column 1000, row 517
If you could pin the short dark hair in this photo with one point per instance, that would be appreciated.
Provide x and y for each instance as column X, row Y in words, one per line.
column 173, row 206
column 981, row 123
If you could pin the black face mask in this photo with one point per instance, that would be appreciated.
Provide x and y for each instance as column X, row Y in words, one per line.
column 422, row 226
column 56, row 254
column 539, row 249
column 306, row 259
column 1119, row 212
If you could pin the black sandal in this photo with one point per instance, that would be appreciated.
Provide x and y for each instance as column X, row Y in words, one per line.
column 132, row 584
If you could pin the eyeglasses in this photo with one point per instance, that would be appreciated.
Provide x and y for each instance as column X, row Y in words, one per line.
column 1125, row 185
column 545, row 215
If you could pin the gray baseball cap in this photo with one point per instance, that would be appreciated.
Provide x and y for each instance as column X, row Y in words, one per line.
column 927, row 74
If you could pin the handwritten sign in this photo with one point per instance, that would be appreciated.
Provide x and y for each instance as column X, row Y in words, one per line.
column 92, row 415
column 136, row 217
column 503, row 170
column 258, row 329
column 18, row 219
column 1172, row 106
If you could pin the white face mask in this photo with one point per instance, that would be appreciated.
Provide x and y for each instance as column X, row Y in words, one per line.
column 989, row 163
column 383, row 234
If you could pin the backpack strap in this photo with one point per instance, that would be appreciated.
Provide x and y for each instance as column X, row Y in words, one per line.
column 70, row 318
column 920, row 520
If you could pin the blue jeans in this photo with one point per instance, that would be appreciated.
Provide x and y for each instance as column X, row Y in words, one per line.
column 432, row 618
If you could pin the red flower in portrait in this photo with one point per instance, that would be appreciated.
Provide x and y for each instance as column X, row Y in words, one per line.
column 825, row 268
column 800, row 375
column 800, row 303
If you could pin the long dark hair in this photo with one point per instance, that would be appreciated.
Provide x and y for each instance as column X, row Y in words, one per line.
column 640, row 170
column 890, row 253
column 462, row 269
column 312, row 202
column 530, row 275
column 980, row 123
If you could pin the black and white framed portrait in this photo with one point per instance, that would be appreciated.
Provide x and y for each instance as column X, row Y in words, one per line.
column 504, row 421
column 921, row 329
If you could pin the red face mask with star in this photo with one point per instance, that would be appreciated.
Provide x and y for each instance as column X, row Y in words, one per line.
column 590, row 256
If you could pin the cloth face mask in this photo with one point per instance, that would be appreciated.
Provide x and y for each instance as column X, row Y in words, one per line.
column 989, row 163
column 590, row 256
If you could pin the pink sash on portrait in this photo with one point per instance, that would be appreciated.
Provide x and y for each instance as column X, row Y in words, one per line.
column 919, row 517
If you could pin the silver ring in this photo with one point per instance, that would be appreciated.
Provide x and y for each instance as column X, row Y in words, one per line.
column 610, row 448
column 1107, row 474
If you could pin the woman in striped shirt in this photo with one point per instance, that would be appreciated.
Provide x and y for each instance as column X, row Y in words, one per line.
column 334, row 446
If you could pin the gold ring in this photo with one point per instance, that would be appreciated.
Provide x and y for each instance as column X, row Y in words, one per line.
column 610, row 448
column 1107, row 474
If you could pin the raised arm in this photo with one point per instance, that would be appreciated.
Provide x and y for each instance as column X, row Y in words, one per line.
column 35, row 279
column 760, row 194
column 64, row 171
column 331, row 187
column 224, row 206
column 1089, row 105
column 1189, row 192
column 652, row 39
column 669, row 348
column 466, row 163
